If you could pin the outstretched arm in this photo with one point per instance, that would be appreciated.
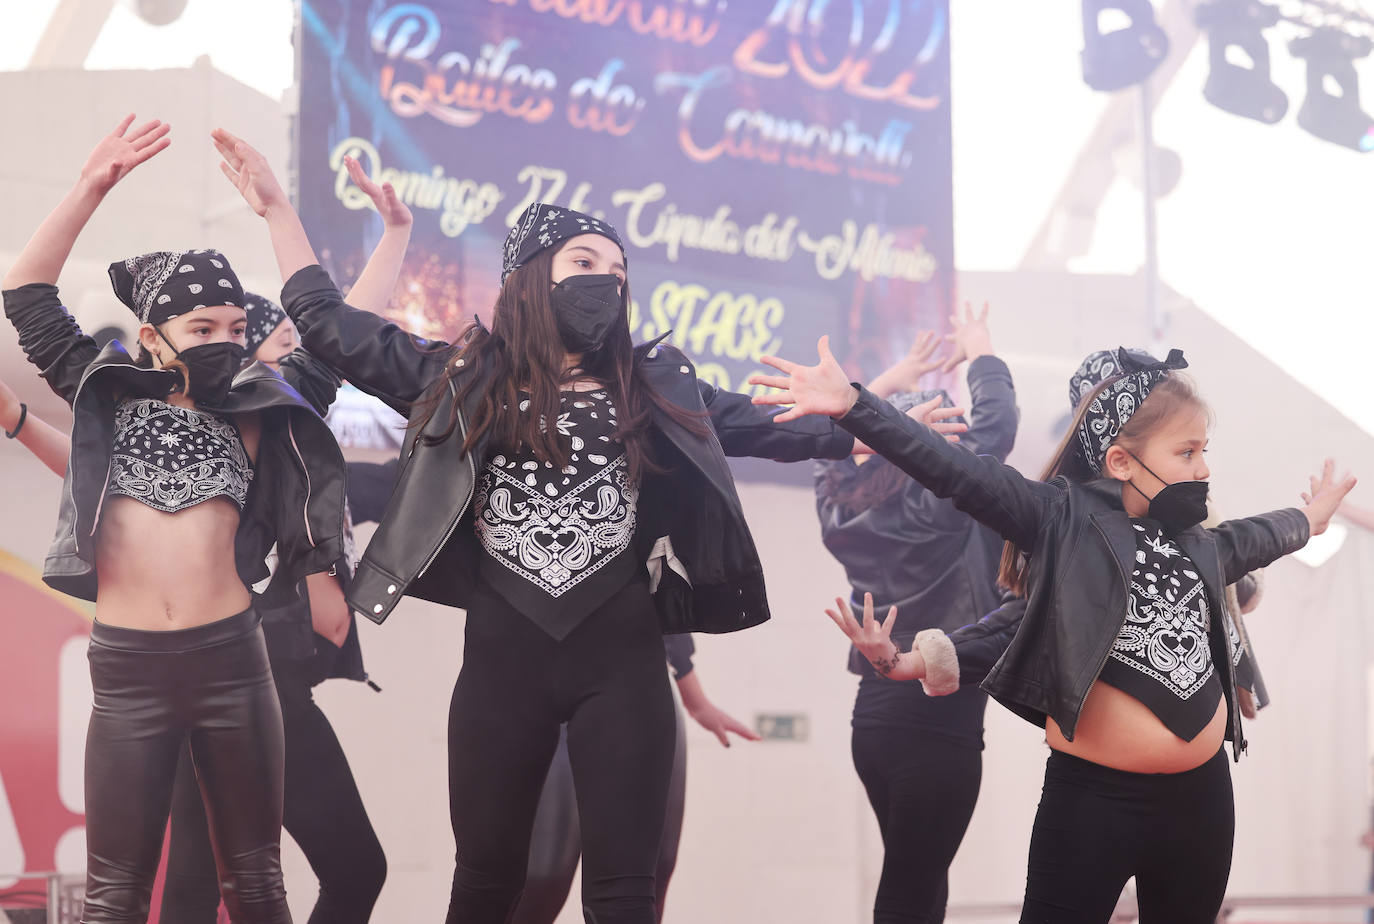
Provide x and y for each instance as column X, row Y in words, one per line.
column 248, row 170
column 375, row 285
column 1325, row 495
column 1254, row 542
column 113, row 158
column 49, row 444
column 372, row 353
column 991, row 492
column 48, row 334
column 994, row 414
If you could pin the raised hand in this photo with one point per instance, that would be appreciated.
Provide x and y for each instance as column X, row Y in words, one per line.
column 938, row 418
column 970, row 337
column 874, row 641
column 906, row 373
column 121, row 151
column 394, row 212
column 819, row 389
column 248, row 170
column 1324, row 496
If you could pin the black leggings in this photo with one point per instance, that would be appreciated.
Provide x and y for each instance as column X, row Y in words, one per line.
column 557, row 842
column 606, row 681
column 323, row 813
column 923, row 789
column 212, row 686
column 1098, row 827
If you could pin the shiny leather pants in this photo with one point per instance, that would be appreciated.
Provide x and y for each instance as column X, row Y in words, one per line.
column 323, row 814
column 212, row 686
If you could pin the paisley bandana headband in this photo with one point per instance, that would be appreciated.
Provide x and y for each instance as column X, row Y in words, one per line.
column 542, row 226
column 1117, row 403
column 163, row 285
column 263, row 317
column 1097, row 367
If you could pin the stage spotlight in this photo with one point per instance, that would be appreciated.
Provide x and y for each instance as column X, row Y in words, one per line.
column 1243, row 91
column 1336, row 117
column 1122, row 57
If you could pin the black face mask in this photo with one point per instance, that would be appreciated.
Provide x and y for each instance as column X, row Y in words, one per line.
column 586, row 307
column 1177, row 506
column 212, row 367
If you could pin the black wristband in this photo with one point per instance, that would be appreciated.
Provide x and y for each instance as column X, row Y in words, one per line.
column 23, row 416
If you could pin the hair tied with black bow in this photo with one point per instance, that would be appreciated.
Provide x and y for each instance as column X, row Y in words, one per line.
column 1113, row 406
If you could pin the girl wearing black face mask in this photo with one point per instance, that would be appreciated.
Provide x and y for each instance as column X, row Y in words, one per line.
column 569, row 490
column 184, row 470
column 1125, row 653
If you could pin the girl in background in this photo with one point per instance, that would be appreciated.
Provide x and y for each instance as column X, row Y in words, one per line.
column 919, row 757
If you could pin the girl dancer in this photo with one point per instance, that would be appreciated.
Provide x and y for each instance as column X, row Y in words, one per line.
column 308, row 640
column 919, row 758
column 183, row 472
column 548, row 459
column 1124, row 653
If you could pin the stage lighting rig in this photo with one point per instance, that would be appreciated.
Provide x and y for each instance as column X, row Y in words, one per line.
column 1330, row 54
column 1116, row 59
column 1244, row 91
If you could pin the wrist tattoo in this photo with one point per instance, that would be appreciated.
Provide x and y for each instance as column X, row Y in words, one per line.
column 887, row 665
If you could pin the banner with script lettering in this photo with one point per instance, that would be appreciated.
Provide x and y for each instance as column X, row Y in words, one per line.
column 778, row 169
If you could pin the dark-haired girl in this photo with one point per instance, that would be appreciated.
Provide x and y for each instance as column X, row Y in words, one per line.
column 919, row 757
column 570, row 491
column 1125, row 652
column 184, row 471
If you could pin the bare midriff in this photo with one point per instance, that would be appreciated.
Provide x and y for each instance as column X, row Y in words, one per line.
column 1117, row 730
column 161, row 571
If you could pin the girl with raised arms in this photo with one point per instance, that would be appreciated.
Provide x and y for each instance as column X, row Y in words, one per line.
column 1124, row 654
column 570, row 491
column 183, row 472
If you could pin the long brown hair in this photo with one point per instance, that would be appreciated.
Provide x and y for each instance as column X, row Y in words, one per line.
column 855, row 489
column 523, row 352
column 1173, row 393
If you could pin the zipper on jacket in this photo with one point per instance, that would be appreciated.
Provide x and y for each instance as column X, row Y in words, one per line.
column 305, row 509
column 1108, row 653
column 462, row 430
column 1238, row 742
column 95, row 521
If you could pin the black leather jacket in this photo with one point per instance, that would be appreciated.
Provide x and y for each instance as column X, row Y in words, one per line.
column 980, row 645
column 916, row 551
column 1081, row 547
column 702, row 561
column 297, row 496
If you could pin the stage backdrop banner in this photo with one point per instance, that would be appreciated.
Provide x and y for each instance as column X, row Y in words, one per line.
column 778, row 169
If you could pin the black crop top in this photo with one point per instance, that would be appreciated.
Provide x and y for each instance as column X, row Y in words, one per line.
column 172, row 458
